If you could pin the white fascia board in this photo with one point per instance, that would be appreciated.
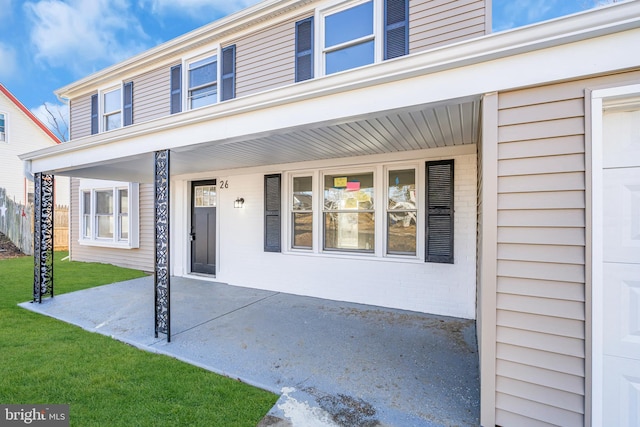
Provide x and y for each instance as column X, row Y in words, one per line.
column 463, row 70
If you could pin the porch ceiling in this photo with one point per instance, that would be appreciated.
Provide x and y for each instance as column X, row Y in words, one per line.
column 416, row 128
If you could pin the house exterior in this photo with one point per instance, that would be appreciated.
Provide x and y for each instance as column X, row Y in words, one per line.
column 413, row 160
column 21, row 132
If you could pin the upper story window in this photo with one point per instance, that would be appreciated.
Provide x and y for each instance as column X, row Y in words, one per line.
column 203, row 82
column 349, row 38
column 357, row 33
column 208, row 80
column 112, row 108
column 3, row 127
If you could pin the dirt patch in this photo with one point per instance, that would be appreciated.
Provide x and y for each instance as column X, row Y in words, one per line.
column 345, row 410
column 8, row 249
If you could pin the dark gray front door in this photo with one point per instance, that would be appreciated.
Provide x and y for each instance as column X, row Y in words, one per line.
column 203, row 227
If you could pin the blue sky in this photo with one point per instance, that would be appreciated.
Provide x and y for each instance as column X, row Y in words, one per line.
column 47, row 44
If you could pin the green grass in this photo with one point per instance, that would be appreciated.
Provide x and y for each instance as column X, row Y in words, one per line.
column 105, row 382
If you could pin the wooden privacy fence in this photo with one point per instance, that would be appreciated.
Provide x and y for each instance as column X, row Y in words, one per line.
column 16, row 222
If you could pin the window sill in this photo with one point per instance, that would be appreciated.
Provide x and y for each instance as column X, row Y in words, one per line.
column 107, row 244
column 356, row 256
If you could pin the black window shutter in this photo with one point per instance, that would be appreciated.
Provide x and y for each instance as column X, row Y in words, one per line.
column 440, row 211
column 228, row 73
column 304, row 49
column 272, row 205
column 127, row 104
column 396, row 28
column 94, row 114
column 176, row 89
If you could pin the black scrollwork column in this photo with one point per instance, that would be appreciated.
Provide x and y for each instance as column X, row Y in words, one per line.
column 43, row 237
column 161, row 276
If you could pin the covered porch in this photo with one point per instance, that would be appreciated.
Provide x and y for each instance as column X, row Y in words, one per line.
column 333, row 363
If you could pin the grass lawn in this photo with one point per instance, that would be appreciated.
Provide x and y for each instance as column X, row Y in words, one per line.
column 105, row 382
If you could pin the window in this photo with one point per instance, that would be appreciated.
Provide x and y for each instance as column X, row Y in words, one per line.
column 203, row 82
column 348, row 213
column 115, row 106
column 3, row 127
column 111, row 109
column 401, row 212
column 108, row 214
column 361, row 34
column 349, row 38
column 302, row 212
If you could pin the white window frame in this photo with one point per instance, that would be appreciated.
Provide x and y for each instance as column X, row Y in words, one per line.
column 313, row 211
column 419, row 217
column 380, row 180
column 4, row 137
column 186, row 63
column 104, row 115
column 319, row 30
column 93, row 186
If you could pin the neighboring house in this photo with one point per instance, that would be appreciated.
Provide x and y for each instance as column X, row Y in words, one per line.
column 21, row 132
column 394, row 153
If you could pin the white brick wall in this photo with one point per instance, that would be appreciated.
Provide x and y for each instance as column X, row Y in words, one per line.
column 446, row 289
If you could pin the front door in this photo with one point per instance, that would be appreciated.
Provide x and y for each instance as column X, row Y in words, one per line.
column 203, row 227
column 621, row 267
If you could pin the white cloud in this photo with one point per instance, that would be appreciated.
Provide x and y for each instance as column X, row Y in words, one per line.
column 5, row 8
column 84, row 35
column 9, row 61
column 213, row 9
column 61, row 114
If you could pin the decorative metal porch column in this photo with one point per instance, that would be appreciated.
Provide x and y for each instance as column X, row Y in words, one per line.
column 161, row 275
column 43, row 237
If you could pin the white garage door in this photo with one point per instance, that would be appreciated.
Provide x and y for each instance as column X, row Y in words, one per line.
column 621, row 267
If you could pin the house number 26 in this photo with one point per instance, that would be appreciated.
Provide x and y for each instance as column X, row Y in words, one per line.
column 223, row 184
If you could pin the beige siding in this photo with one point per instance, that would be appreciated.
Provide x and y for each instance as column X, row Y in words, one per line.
column 540, row 302
column 80, row 117
column 266, row 59
column 151, row 94
column 140, row 258
column 434, row 23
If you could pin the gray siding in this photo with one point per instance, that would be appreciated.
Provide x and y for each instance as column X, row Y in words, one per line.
column 433, row 23
column 151, row 94
column 140, row 258
column 540, row 333
column 266, row 59
column 80, row 117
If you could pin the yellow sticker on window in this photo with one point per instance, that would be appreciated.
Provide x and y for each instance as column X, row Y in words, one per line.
column 340, row 182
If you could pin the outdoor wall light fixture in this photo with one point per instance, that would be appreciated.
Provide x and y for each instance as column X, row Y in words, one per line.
column 238, row 203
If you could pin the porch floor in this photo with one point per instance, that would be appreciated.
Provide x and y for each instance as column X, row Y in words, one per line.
column 333, row 363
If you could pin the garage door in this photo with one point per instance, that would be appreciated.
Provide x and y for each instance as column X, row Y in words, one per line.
column 621, row 267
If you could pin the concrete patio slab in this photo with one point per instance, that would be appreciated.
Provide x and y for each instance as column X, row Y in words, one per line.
column 333, row 363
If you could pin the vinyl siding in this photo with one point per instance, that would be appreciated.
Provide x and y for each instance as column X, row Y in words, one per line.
column 266, row 59
column 80, row 117
column 434, row 23
column 140, row 258
column 151, row 94
column 540, row 327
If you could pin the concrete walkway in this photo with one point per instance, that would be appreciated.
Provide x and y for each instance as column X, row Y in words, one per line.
column 332, row 363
